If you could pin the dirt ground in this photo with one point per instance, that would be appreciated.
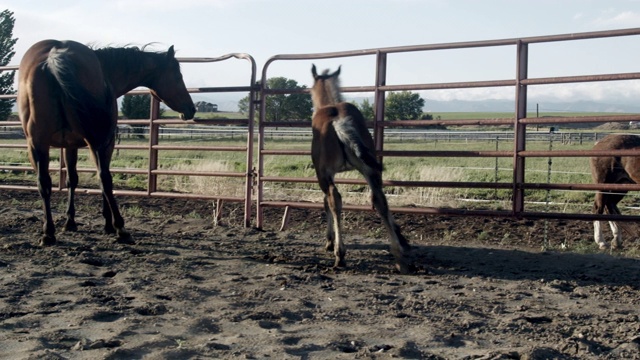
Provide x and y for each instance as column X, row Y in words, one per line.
column 483, row 289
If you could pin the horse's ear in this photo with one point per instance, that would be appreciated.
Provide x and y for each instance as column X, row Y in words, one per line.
column 171, row 53
column 337, row 71
column 313, row 71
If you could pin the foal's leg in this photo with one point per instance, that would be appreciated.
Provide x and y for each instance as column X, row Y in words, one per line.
column 331, row 234
column 71, row 159
column 333, row 201
column 40, row 160
column 399, row 244
column 106, row 183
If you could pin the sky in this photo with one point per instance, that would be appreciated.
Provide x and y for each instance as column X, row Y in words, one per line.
column 264, row 28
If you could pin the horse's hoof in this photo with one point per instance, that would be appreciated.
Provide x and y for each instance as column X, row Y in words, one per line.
column 125, row 238
column 603, row 246
column 70, row 226
column 109, row 229
column 47, row 240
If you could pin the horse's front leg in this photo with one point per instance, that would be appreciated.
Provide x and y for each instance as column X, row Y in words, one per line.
column 108, row 216
column 109, row 201
column 71, row 159
column 40, row 161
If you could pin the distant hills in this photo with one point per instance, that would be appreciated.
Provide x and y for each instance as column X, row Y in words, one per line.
column 509, row 106
column 229, row 102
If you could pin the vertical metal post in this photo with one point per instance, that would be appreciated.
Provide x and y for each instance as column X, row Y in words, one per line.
column 520, row 134
column 261, row 120
column 379, row 95
column 153, row 141
column 249, row 175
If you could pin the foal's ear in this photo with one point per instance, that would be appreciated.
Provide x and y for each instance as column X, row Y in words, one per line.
column 171, row 53
column 337, row 72
column 313, row 71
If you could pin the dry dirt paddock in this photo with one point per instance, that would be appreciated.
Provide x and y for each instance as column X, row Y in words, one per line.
column 483, row 289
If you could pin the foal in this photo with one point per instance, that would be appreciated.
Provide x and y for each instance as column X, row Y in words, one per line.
column 613, row 170
column 342, row 142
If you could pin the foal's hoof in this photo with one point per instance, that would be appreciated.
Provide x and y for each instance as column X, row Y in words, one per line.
column 329, row 246
column 340, row 263
column 404, row 268
column 47, row 240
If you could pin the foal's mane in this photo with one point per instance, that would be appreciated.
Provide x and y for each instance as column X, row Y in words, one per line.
column 326, row 89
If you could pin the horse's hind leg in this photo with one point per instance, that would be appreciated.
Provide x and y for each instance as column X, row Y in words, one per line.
column 40, row 160
column 71, row 159
column 616, row 242
column 106, row 181
column 399, row 244
column 598, row 208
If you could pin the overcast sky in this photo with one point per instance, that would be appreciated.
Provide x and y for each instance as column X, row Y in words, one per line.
column 263, row 28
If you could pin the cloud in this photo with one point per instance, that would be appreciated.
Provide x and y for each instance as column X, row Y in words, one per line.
column 620, row 19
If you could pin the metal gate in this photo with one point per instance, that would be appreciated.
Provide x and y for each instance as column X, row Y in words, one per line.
column 520, row 83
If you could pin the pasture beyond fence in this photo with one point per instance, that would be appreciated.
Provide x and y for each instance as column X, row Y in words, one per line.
column 255, row 170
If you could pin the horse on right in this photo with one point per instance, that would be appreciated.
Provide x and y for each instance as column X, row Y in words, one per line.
column 613, row 170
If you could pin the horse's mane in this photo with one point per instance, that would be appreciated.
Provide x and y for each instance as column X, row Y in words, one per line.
column 126, row 56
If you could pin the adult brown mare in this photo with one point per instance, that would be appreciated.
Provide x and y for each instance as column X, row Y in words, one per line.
column 67, row 99
column 613, row 170
column 342, row 142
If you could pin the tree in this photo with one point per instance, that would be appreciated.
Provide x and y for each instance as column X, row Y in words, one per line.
column 137, row 107
column 283, row 107
column 403, row 105
column 367, row 109
column 7, row 42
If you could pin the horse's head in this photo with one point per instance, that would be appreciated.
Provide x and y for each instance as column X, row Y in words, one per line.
column 168, row 86
column 326, row 88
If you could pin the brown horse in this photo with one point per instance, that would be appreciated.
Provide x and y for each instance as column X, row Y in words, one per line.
column 342, row 142
column 613, row 170
column 67, row 99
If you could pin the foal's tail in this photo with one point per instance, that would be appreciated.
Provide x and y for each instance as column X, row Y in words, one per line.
column 350, row 135
column 63, row 68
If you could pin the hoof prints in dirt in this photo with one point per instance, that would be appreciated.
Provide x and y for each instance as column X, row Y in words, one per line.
column 187, row 289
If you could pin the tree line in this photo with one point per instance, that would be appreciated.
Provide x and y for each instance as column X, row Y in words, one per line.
column 400, row 105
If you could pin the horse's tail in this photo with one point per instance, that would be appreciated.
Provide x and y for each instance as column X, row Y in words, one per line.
column 350, row 135
column 62, row 67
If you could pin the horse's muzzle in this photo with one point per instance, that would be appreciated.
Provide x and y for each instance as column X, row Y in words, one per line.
column 189, row 114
